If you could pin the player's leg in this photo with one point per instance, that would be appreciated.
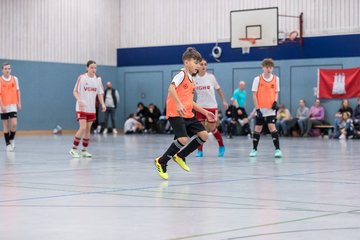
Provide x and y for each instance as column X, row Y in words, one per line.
column 13, row 127
column 86, row 140
column 274, row 135
column 256, row 136
column 77, row 138
column 211, row 127
column 198, row 137
column 180, row 139
column 202, row 118
column 5, row 122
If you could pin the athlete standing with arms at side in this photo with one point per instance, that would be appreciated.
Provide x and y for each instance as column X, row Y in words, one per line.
column 205, row 86
column 266, row 88
column 87, row 88
column 10, row 103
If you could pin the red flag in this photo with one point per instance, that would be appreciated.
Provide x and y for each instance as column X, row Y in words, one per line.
column 339, row 83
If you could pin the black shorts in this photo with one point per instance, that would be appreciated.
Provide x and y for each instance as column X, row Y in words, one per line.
column 267, row 120
column 185, row 127
column 6, row 116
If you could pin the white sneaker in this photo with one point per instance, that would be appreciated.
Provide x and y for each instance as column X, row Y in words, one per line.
column 86, row 154
column 9, row 148
column 74, row 153
column 12, row 142
column 105, row 131
column 342, row 137
column 115, row 131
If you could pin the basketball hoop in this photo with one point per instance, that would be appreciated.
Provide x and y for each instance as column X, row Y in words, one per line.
column 248, row 42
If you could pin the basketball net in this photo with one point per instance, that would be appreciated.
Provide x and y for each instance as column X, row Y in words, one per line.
column 247, row 43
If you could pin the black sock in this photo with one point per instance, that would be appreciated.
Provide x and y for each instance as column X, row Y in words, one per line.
column 190, row 147
column 275, row 138
column 7, row 138
column 256, row 139
column 12, row 135
column 171, row 151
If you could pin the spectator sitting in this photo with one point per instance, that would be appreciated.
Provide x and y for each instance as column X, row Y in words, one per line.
column 302, row 115
column 356, row 115
column 316, row 116
column 132, row 125
column 153, row 118
column 242, row 118
column 142, row 113
column 345, row 127
column 228, row 123
column 339, row 115
column 283, row 117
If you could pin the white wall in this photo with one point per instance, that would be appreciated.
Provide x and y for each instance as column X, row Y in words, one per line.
column 173, row 22
column 71, row 31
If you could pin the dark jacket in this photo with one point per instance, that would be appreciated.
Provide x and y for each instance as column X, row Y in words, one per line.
column 112, row 94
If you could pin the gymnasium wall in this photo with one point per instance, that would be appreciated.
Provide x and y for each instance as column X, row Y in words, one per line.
column 145, row 73
column 298, row 79
column 63, row 31
column 175, row 22
column 47, row 92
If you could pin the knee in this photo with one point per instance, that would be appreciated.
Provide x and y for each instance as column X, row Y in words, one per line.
column 182, row 140
column 82, row 129
column 203, row 135
column 13, row 127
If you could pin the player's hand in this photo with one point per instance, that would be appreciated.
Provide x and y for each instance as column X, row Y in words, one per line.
column 103, row 108
column 258, row 113
column 18, row 106
column 180, row 109
column 226, row 105
column 210, row 116
column 3, row 109
column 274, row 106
column 81, row 105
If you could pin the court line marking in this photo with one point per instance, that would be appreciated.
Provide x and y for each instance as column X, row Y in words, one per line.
column 295, row 231
column 253, row 227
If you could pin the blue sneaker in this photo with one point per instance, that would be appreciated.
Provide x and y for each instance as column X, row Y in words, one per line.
column 278, row 153
column 221, row 151
column 199, row 153
column 253, row 153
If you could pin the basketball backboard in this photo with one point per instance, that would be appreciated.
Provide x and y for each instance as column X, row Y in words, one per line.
column 260, row 24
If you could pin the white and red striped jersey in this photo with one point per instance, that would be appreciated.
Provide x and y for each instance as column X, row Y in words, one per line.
column 205, row 87
column 88, row 88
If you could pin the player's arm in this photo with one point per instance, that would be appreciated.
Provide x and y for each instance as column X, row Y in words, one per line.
column 179, row 106
column 209, row 115
column 1, row 103
column 19, row 100
column 256, row 105
column 221, row 94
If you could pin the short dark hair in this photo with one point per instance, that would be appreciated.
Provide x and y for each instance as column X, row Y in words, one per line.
column 267, row 62
column 90, row 62
column 5, row 64
column 191, row 53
